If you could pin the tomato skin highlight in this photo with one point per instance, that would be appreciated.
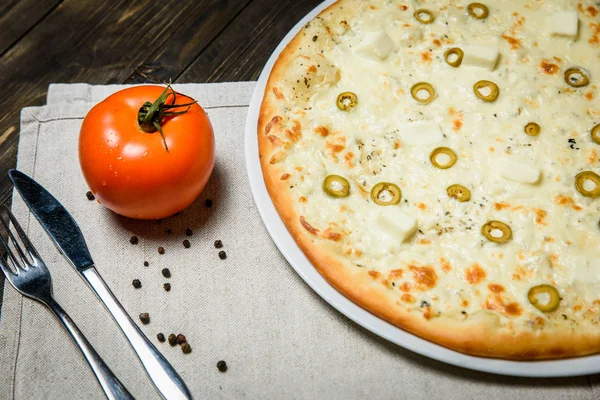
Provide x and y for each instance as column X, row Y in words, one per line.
column 130, row 171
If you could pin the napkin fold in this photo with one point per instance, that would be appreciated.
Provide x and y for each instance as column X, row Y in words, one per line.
column 279, row 339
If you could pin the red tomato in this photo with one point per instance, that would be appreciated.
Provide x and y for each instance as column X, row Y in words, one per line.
column 138, row 174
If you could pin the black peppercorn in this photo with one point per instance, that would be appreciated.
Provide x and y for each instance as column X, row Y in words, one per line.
column 208, row 203
column 146, row 263
column 181, row 339
column 186, row 348
column 145, row 318
column 222, row 255
column 161, row 337
column 134, row 240
column 186, row 244
column 218, row 244
column 172, row 339
column 189, row 232
column 136, row 283
column 166, row 272
column 167, row 287
column 90, row 196
column 161, row 250
column 222, row 366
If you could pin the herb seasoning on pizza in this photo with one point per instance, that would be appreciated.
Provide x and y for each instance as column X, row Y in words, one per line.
column 438, row 163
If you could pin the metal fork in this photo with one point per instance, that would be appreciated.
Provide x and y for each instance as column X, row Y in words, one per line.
column 32, row 279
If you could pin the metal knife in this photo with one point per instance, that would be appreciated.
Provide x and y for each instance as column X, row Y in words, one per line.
column 66, row 235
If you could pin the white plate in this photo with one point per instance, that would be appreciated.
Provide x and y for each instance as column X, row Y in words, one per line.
column 297, row 259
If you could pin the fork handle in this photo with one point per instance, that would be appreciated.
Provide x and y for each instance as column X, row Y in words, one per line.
column 163, row 375
column 112, row 387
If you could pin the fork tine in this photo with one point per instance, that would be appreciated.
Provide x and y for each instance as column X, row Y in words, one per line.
column 16, row 245
column 28, row 245
column 9, row 252
column 4, row 263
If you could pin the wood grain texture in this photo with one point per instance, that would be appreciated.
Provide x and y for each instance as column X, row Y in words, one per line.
column 186, row 43
column 262, row 25
column 18, row 17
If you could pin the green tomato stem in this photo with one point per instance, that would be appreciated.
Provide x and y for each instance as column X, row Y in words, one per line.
column 151, row 115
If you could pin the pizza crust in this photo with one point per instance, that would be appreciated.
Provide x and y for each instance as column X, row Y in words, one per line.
column 480, row 334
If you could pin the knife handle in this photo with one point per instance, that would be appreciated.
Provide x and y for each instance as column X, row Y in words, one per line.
column 163, row 375
column 111, row 385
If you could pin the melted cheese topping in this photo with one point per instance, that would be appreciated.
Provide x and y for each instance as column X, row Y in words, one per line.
column 434, row 248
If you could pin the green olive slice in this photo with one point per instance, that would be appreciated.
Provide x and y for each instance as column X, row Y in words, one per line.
column 443, row 157
column 577, row 77
column 588, row 184
column 478, row 10
column 336, row 186
column 493, row 89
column 347, row 101
column 454, row 57
column 595, row 132
column 544, row 297
column 496, row 231
column 532, row 129
column 459, row 192
column 424, row 16
column 423, row 92
column 386, row 194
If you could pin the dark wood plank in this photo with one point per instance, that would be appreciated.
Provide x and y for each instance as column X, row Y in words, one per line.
column 99, row 43
column 17, row 17
column 6, row 6
column 240, row 53
column 184, row 46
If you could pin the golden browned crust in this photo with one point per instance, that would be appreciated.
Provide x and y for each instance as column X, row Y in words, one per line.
column 480, row 335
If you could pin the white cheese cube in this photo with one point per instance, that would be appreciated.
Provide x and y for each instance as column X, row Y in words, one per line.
column 481, row 56
column 396, row 224
column 376, row 46
column 517, row 171
column 420, row 133
column 564, row 24
column 378, row 243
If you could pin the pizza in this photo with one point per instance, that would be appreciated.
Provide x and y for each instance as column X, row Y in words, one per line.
column 438, row 161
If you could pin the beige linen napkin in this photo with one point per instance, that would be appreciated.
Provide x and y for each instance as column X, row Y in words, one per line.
column 279, row 339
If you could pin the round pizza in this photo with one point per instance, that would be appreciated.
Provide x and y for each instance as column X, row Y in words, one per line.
column 438, row 163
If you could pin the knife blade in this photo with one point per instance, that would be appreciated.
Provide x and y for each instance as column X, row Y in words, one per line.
column 68, row 238
column 55, row 219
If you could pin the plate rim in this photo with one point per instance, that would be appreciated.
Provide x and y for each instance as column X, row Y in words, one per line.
column 285, row 243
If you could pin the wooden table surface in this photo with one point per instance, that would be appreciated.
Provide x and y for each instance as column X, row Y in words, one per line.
column 129, row 41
